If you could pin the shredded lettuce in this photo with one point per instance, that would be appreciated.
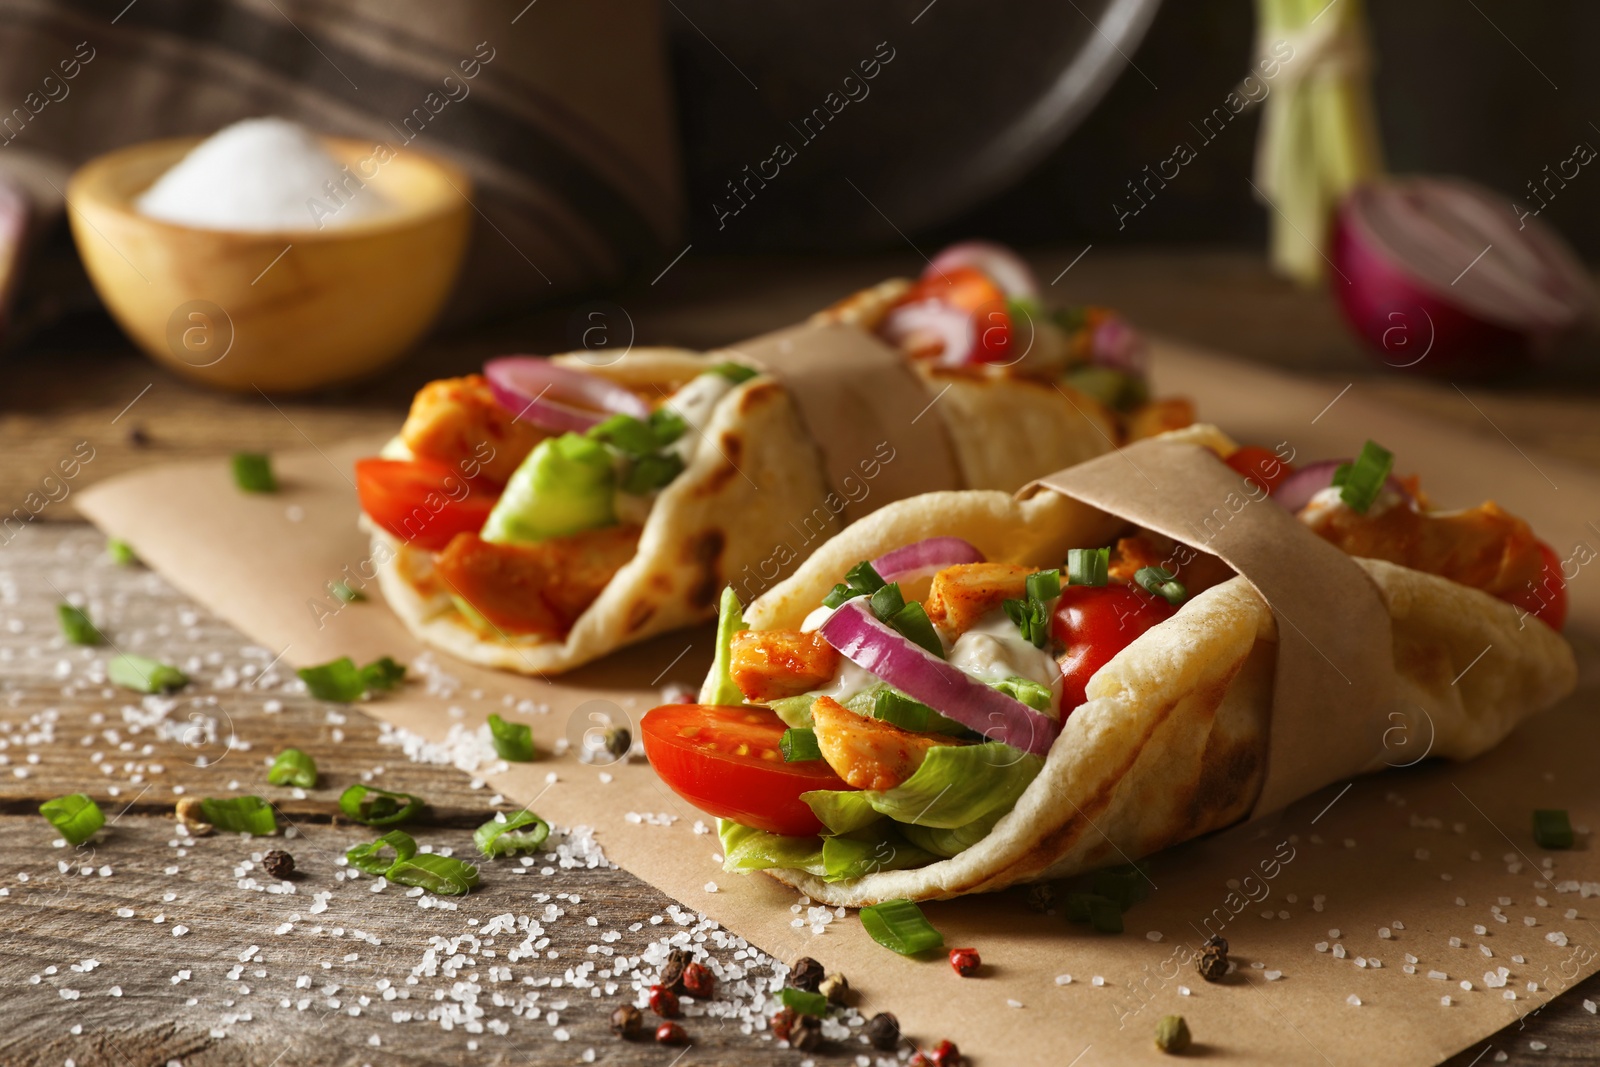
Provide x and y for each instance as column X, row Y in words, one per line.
column 794, row 711
column 719, row 687
column 956, row 785
column 951, row 842
column 854, row 855
column 842, row 811
column 565, row 486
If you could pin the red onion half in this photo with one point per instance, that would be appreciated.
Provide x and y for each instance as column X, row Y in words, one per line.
column 1442, row 275
column 998, row 263
column 953, row 693
column 925, row 558
column 556, row 398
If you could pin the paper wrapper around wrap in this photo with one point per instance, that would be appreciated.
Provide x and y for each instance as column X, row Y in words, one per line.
column 262, row 561
column 854, row 392
column 1335, row 673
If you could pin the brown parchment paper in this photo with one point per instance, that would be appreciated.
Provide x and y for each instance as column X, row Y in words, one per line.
column 1334, row 674
column 1393, row 848
column 856, row 394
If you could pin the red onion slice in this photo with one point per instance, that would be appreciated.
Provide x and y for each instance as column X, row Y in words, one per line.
column 925, row 558
column 876, row 648
column 998, row 263
column 557, row 398
column 1117, row 345
column 910, row 326
column 1296, row 491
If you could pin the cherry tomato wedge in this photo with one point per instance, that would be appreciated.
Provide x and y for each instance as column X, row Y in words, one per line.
column 1546, row 602
column 421, row 501
column 725, row 761
column 1093, row 624
column 1259, row 465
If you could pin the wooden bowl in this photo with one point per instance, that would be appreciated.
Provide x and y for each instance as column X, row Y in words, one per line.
column 283, row 310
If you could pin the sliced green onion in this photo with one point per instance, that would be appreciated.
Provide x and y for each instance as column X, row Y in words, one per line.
column 897, row 709
column 1076, row 907
column 346, row 592
column 886, row 602
column 437, row 874
column 521, row 832
column 252, row 472
column 339, row 680
column 737, row 373
column 802, row 1003
column 121, row 552
column 379, row 807
column 799, row 744
column 1105, row 916
column 1125, row 885
column 1088, row 566
column 144, row 675
column 626, row 434
column 860, row 580
column 293, row 767
column 900, row 925
column 1359, row 483
column 667, row 425
column 1044, row 585
column 512, row 741
column 342, row 681
column 383, row 674
column 369, row 856
column 1552, row 828
column 76, row 816
column 912, row 623
column 240, row 815
column 77, row 626
column 1026, row 690
column 652, row 472
column 1158, row 581
column 1031, row 617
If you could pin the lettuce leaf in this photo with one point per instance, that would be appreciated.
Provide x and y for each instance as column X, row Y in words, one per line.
column 956, row 785
column 719, row 687
column 854, row 855
column 951, row 842
column 842, row 811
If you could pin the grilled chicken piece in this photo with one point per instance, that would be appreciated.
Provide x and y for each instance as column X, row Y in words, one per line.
column 539, row 588
column 966, row 592
column 1159, row 416
column 869, row 753
column 459, row 422
column 771, row 664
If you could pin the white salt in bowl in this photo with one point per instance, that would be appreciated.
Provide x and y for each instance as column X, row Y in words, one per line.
column 279, row 311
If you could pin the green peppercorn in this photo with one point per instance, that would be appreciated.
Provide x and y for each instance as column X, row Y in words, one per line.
column 1172, row 1034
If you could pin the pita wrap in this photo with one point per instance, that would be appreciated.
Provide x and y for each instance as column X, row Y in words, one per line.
column 1173, row 741
column 840, row 425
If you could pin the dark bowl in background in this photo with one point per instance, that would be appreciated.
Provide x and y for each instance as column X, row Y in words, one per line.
column 973, row 96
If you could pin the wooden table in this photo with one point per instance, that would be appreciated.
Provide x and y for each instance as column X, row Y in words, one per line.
column 95, row 971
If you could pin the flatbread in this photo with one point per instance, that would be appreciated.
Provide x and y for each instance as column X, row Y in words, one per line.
column 1172, row 741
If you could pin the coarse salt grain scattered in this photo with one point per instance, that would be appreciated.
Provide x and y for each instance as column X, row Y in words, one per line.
column 1063, row 979
column 1273, row 976
column 1153, row 935
column 1338, row 952
column 1097, row 980
column 1321, row 946
column 1353, row 1000
column 1385, row 933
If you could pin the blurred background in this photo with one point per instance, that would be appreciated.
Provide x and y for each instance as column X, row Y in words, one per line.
column 690, row 172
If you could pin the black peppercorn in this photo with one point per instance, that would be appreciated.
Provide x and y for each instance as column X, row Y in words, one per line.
column 672, row 971
column 884, row 1031
column 278, row 863
column 1212, row 964
column 1218, row 942
column 618, row 741
column 807, row 974
column 806, row 1033
column 627, row 1022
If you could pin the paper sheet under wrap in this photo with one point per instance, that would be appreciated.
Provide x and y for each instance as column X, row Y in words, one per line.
column 1335, row 666
column 260, row 560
